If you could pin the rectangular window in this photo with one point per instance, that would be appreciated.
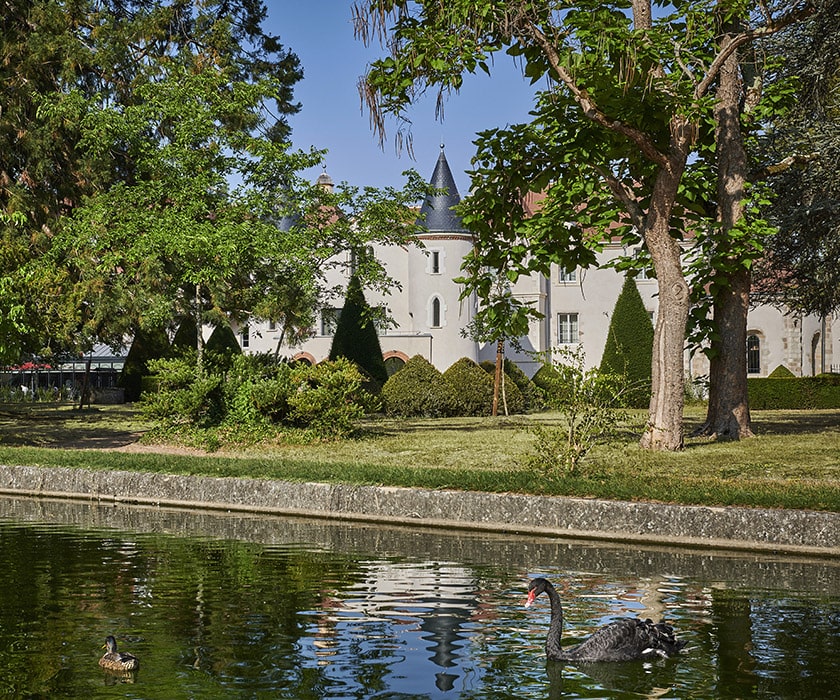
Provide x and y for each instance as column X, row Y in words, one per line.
column 329, row 320
column 434, row 262
column 567, row 329
column 272, row 326
column 246, row 337
column 567, row 276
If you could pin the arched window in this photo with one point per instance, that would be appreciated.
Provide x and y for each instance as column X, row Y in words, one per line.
column 753, row 354
column 393, row 364
column 436, row 320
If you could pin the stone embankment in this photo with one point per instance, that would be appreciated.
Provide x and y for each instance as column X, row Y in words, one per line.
column 791, row 531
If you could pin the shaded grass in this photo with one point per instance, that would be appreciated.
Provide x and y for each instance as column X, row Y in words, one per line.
column 794, row 462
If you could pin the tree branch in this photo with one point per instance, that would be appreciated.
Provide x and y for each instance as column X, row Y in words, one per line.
column 589, row 106
column 771, row 27
column 796, row 160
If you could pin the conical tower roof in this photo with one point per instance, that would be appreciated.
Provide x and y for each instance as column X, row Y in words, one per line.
column 436, row 213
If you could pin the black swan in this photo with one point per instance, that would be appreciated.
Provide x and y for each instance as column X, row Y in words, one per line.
column 626, row 639
column 115, row 660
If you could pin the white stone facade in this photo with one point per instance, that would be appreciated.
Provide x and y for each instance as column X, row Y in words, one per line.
column 429, row 315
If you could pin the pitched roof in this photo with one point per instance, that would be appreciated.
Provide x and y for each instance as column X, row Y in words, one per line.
column 436, row 213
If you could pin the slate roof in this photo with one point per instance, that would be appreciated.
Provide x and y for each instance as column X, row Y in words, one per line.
column 436, row 213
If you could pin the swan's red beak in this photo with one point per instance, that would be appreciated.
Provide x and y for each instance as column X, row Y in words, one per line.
column 530, row 598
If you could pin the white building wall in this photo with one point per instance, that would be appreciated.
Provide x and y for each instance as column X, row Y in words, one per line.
column 804, row 345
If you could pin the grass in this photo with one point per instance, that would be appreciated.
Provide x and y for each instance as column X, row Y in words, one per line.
column 794, row 462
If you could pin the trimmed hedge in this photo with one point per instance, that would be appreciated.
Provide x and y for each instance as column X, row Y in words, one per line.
column 418, row 389
column 822, row 391
column 552, row 384
column 529, row 398
column 629, row 348
column 356, row 337
column 473, row 388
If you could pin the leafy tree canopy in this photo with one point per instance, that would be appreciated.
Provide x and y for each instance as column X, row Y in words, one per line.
column 803, row 152
column 72, row 71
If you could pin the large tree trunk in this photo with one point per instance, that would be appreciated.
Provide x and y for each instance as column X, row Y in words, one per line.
column 665, row 418
column 728, row 415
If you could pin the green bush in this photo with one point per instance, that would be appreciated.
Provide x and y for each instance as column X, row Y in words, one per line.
column 796, row 393
column 221, row 347
column 511, row 400
column 629, row 348
column 551, row 383
column 256, row 396
column 533, row 398
column 257, row 390
column 181, row 397
column 473, row 388
column 327, row 398
column 357, row 339
column 418, row 389
column 186, row 337
column 782, row 372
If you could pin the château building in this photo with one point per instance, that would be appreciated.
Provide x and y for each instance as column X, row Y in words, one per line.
column 429, row 315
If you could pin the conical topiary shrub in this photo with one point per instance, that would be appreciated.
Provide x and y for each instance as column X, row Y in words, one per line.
column 355, row 335
column 418, row 389
column 146, row 345
column 186, row 337
column 629, row 348
column 221, row 346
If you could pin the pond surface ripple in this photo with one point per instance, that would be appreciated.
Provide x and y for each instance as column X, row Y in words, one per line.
column 220, row 605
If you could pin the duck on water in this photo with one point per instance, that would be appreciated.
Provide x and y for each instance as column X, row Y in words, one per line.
column 627, row 639
column 114, row 660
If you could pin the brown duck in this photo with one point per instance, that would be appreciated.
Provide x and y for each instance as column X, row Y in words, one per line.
column 114, row 660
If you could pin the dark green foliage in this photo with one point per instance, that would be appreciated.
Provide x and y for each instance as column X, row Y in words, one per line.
column 222, row 346
column 256, row 397
column 66, row 66
column 355, row 335
column 629, row 348
column 532, row 396
column 551, row 383
column 182, row 399
column 781, row 372
column 418, row 389
column 473, row 388
column 794, row 393
column 147, row 345
column 512, row 401
column 186, row 337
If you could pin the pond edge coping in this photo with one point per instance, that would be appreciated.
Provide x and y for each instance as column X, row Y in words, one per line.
column 721, row 527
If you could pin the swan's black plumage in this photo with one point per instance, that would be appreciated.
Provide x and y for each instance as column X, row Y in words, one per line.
column 626, row 639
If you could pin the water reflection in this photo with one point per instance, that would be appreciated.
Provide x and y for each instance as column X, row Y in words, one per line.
column 222, row 605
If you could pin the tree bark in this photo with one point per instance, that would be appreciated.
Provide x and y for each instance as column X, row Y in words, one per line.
column 728, row 414
column 199, row 334
column 497, row 380
column 664, row 430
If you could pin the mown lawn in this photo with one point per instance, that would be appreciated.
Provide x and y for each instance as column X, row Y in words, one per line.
column 794, row 461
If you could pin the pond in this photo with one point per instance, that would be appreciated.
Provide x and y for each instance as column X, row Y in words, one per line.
column 220, row 605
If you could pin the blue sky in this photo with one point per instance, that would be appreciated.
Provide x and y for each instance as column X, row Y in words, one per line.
column 321, row 34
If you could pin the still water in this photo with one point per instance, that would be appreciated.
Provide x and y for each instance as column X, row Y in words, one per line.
column 233, row 606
